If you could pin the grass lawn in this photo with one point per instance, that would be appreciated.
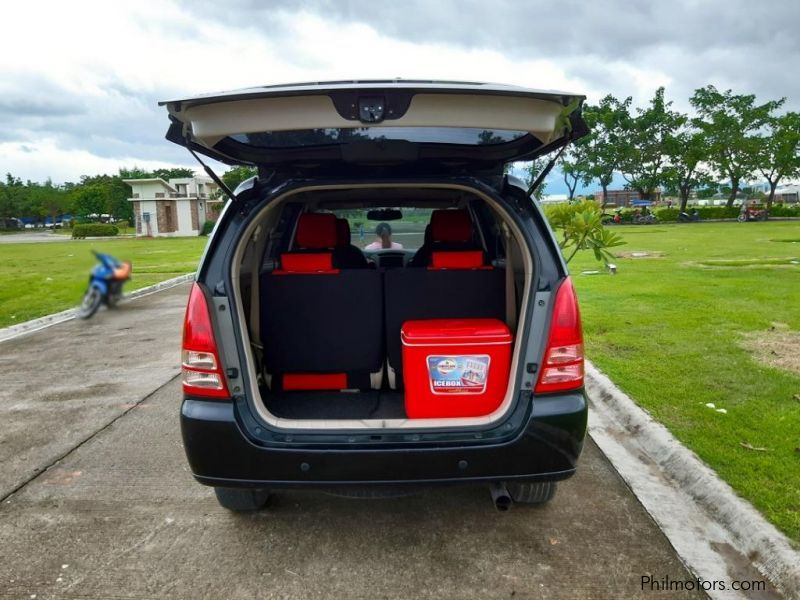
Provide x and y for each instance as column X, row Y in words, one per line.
column 39, row 279
column 672, row 329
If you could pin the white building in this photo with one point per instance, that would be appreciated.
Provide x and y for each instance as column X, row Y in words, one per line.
column 175, row 208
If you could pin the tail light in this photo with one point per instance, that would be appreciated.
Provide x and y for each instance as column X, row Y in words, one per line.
column 201, row 369
column 562, row 368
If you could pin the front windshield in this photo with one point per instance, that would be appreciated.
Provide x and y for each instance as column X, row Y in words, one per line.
column 407, row 233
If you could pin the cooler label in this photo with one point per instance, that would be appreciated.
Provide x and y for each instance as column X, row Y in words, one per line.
column 464, row 374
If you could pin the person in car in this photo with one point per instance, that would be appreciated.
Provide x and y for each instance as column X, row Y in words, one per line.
column 384, row 241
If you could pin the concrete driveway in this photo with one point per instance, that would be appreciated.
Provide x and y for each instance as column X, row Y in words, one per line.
column 98, row 502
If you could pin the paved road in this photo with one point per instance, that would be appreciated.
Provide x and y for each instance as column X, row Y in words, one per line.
column 105, row 507
column 32, row 236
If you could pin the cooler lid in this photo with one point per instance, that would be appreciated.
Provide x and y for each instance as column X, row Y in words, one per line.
column 451, row 332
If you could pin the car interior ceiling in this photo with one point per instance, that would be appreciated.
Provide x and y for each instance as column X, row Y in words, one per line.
column 324, row 315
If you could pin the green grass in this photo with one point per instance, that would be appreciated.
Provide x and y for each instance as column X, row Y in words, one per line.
column 668, row 330
column 39, row 279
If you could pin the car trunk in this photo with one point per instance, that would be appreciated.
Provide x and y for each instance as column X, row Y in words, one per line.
column 299, row 326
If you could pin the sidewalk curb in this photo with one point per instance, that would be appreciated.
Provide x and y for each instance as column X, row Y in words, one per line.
column 20, row 329
column 711, row 528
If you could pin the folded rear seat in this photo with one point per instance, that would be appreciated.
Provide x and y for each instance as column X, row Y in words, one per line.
column 455, row 284
column 321, row 326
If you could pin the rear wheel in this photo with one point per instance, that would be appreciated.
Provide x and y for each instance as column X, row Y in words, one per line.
column 241, row 499
column 531, row 492
column 91, row 302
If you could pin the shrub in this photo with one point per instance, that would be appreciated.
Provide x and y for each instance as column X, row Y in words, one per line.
column 667, row 214
column 121, row 225
column 208, row 226
column 579, row 226
column 94, row 230
column 784, row 210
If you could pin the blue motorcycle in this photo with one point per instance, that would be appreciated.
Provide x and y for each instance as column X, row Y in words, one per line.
column 105, row 284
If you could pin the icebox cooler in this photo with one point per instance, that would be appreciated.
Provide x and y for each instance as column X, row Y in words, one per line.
column 455, row 367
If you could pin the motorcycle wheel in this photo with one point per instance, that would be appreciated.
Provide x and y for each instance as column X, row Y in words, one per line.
column 91, row 302
column 114, row 295
column 742, row 218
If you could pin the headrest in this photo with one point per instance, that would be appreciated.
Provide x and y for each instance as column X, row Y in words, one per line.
column 306, row 262
column 342, row 233
column 316, row 230
column 464, row 259
column 451, row 226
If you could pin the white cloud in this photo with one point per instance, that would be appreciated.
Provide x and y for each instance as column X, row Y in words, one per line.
column 79, row 80
column 37, row 161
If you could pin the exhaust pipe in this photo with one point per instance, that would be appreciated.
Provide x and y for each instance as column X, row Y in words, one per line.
column 500, row 496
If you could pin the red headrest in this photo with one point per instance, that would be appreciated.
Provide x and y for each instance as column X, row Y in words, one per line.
column 316, row 230
column 312, row 262
column 342, row 232
column 451, row 226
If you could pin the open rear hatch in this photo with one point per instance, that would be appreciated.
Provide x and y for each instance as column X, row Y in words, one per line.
column 438, row 126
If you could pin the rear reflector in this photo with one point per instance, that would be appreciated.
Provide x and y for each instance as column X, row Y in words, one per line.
column 201, row 373
column 562, row 368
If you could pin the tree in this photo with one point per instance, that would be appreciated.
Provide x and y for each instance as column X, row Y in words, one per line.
column 687, row 153
column 646, row 140
column 45, row 200
column 113, row 191
column 90, row 198
column 134, row 173
column 237, row 175
column 731, row 124
column 532, row 171
column 574, row 168
column 12, row 194
column 602, row 149
column 779, row 151
column 173, row 173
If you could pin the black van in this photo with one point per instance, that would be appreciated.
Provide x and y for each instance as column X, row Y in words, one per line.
column 382, row 307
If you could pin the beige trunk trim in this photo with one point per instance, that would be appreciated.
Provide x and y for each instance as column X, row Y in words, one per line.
column 212, row 122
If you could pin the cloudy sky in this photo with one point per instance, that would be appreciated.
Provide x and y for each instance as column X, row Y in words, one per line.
column 79, row 81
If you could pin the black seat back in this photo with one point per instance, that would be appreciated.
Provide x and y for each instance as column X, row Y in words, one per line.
column 323, row 323
column 438, row 294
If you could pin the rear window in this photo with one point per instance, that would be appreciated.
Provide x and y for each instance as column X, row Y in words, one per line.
column 421, row 135
column 408, row 232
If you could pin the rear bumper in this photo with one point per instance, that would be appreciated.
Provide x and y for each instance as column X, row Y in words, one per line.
column 220, row 454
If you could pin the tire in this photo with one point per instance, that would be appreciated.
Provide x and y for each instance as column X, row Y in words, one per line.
column 114, row 295
column 241, row 499
column 531, row 492
column 741, row 218
column 91, row 302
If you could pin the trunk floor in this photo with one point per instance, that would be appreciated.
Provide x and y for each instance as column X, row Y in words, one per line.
column 375, row 404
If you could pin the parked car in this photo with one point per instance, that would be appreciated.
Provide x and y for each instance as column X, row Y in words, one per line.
column 452, row 357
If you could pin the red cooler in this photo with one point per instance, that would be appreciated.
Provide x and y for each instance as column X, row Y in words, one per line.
column 455, row 367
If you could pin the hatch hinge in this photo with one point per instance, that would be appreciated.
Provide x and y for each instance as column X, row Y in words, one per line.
column 548, row 167
column 208, row 170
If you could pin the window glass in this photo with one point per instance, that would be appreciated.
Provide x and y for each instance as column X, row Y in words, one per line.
column 407, row 233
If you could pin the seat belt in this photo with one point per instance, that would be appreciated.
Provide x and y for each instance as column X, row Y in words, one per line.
column 255, row 304
column 511, row 294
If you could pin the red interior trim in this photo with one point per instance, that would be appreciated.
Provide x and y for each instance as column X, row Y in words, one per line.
column 314, row 263
column 465, row 259
column 314, row 381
